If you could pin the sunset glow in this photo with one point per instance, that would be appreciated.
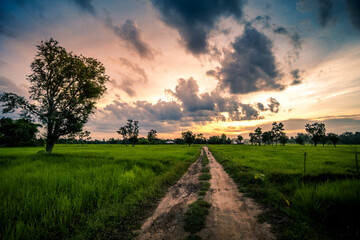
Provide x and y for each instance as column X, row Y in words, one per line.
column 209, row 67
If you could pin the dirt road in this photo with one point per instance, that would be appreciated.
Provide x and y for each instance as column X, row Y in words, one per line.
column 231, row 216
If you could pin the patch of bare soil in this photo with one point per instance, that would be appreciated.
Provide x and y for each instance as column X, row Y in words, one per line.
column 231, row 216
column 167, row 221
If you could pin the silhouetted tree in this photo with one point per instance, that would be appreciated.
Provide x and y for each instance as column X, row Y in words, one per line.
column 252, row 138
column 20, row 132
column 278, row 130
column 257, row 135
column 239, row 139
column 188, row 137
column 300, row 138
column 267, row 137
column 283, row 139
column 334, row 138
column 316, row 131
column 64, row 89
column 214, row 140
column 123, row 132
column 152, row 136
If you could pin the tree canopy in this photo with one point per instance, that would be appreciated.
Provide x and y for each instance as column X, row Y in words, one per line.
column 188, row 137
column 130, row 132
column 63, row 92
column 316, row 131
column 20, row 132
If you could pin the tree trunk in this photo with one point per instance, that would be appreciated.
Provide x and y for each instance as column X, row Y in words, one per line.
column 49, row 145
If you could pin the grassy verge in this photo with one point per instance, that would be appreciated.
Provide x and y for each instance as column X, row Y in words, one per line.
column 195, row 217
column 322, row 204
column 89, row 192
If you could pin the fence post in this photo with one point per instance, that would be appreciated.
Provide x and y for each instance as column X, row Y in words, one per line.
column 304, row 161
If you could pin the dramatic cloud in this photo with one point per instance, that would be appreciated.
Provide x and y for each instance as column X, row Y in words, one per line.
column 293, row 36
column 131, row 34
column 250, row 65
column 274, row 105
column 250, row 112
column 296, row 77
column 187, row 91
column 261, row 107
column 195, row 19
column 85, row 5
column 324, row 10
column 353, row 8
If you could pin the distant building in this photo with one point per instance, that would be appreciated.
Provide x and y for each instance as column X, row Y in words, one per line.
column 234, row 141
column 169, row 142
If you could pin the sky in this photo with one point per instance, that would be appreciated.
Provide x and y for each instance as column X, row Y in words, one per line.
column 209, row 66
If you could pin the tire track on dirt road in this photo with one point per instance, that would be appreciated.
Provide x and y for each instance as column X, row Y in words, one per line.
column 231, row 216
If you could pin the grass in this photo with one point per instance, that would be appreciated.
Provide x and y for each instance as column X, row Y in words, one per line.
column 204, row 160
column 204, row 186
column 323, row 203
column 94, row 191
column 205, row 176
column 205, row 170
column 195, row 217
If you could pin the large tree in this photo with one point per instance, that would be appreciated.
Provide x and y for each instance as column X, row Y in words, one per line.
column 152, row 136
column 64, row 88
column 316, row 131
column 188, row 137
column 257, row 135
column 267, row 137
column 334, row 138
column 130, row 131
column 278, row 131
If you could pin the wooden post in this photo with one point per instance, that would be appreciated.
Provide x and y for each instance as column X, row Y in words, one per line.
column 304, row 161
column 357, row 164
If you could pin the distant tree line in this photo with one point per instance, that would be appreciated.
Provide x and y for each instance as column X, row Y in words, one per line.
column 22, row 132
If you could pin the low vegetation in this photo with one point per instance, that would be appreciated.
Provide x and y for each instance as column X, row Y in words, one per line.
column 195, row 217
column 323, row 203
column 94, row 191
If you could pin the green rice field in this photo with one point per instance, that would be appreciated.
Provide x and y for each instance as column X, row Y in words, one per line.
column 85, row 192
column 322, row 203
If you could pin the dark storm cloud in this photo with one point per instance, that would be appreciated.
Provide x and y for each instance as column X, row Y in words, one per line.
column 250, row 65
column 249, row 112
column 131, row 34
column 353, row 8
column 195, row 19
column 261, row 107
column 85, row 5
column 325, row 10
column 296, row 77
column 190, row 107
column 293, row 36
column 274, row 105
column 187, row 91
